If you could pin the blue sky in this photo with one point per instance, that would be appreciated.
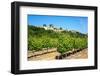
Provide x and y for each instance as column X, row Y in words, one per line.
column 77, row 23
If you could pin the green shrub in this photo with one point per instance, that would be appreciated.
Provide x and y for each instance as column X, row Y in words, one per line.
column 39, row 38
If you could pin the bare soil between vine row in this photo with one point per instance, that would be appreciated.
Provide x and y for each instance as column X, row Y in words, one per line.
column 52, row 53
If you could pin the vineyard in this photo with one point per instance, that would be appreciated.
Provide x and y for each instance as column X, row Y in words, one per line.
column 40, row 39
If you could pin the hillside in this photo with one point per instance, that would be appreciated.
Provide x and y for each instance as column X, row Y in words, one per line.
column 39, row 38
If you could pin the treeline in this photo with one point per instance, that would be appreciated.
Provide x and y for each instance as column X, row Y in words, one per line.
column 39, row 39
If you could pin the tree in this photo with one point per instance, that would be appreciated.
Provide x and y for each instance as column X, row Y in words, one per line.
column 44, row 25
column 51, row 25
column 60, row 28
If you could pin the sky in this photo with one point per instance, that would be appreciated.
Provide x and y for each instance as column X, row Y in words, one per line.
column 77, row 23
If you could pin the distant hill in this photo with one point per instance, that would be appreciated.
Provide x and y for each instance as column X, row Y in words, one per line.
column 50, row 30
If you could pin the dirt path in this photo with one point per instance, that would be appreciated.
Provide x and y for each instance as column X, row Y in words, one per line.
column 48, row 56
column 51, row 56
column 79, row 55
